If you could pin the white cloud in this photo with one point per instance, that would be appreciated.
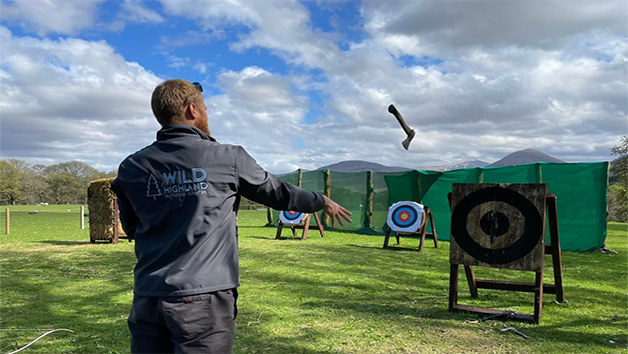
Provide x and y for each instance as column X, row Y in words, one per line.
column 72, row 99
column 504, row 69
column 134, row 11
column 474, row 79
column 45, row 16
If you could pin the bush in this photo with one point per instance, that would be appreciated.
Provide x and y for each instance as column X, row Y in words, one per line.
column 617, row 203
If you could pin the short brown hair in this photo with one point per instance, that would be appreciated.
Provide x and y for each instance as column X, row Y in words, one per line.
column 169, row 100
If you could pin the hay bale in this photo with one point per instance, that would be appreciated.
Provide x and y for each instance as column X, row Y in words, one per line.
column 101, row 201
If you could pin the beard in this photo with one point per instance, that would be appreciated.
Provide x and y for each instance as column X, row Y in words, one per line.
column 202, row 125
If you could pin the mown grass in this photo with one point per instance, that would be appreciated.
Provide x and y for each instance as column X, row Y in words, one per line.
column 340, row 294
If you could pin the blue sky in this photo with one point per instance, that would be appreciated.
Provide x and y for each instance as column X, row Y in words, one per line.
column 306, row 84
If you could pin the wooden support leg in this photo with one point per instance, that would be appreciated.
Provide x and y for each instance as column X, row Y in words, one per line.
column 397, row 237
column 387, row 238
column 306, row 226
column 321, row 229
column 279, row 227
column 422, row 231
column 538, row 297
column 453, row 286
column 555, row 247
column 473, row 289
column 294, row 230
column 433, row 228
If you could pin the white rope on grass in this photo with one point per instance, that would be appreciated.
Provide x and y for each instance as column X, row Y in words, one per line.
column 36, row 339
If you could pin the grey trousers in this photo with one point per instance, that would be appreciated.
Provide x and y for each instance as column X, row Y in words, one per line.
column 203, row 323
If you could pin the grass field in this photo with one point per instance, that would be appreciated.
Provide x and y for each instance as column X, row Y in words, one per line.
column 340, row 294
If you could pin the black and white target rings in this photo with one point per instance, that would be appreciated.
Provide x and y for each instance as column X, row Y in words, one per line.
column 405, row 217
column 498, row 224
column 291, row 217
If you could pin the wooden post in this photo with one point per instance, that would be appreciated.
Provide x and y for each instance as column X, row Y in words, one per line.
column 370, row 192
column 82, row 217
column 327, row 183
column 300, row 177
column 8, row 223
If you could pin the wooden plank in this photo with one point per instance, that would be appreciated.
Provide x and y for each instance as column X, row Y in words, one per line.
column 495, row 228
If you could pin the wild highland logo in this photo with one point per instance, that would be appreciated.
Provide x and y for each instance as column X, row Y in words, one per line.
column 178, row 184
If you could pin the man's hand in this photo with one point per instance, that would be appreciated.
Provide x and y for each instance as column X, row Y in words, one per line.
column 336, row 212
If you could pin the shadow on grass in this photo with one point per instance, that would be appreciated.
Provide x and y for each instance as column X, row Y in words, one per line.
column 66, row 243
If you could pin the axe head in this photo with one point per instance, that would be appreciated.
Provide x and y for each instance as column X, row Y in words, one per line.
column 406, row 143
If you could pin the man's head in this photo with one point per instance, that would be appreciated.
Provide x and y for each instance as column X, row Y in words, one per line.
column 179, row 101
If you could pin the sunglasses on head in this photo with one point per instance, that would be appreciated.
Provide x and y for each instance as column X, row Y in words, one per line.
column 198, row 86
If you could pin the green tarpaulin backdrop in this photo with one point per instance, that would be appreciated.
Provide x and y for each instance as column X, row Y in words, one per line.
column 580, row 189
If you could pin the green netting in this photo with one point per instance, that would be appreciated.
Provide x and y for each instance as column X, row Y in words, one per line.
column 580, row 188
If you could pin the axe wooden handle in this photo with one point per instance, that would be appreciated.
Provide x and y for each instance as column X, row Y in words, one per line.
column 397, row 115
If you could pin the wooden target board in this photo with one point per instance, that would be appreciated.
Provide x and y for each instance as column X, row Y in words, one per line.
column 498, row 225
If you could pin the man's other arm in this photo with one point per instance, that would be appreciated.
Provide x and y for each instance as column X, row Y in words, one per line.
column 260, row 186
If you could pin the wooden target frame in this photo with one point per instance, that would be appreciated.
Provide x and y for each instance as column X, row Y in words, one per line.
column 480, row 200
column 304, row 225
column 421, row 233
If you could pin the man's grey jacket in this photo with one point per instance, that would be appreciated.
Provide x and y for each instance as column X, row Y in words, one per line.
column 178, row 199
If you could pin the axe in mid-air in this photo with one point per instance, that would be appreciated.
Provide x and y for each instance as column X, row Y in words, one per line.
column 406, row 128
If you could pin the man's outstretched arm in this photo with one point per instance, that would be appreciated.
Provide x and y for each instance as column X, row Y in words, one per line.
column 260, row 186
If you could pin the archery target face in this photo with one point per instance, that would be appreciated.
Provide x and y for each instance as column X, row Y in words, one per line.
column 405, row 216
column 291, row 217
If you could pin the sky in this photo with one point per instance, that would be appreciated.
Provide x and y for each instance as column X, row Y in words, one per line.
column 307, row 84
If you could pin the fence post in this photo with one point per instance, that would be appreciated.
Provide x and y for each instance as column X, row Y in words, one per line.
column 327, row 191
column 82, row 217
column 370, row 192
column 269, row 217
column 8, row 223
column 300, row 178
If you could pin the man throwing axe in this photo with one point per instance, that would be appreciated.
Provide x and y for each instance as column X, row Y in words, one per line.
column 178, row 199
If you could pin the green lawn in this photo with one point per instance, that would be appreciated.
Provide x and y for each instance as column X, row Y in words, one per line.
column 340, row 294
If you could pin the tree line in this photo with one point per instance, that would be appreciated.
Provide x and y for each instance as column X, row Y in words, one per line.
column 63, row 183
column 617, row 193
column 67, row 182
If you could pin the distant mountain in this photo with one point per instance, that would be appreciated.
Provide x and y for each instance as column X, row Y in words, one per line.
column 361, row 166
column 525, row 156
column 458, row 166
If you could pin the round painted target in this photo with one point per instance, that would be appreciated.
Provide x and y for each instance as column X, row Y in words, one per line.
column 496, row 224
column 405, row 216
column 291, row 217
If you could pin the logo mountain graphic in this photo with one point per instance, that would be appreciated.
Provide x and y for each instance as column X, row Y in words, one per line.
column 152, row 189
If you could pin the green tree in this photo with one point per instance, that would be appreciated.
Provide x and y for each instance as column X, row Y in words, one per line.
column 619, row 166
column 32, row 184
column 64, row 189
column 617, row 203
column 76, row 174
column 10, row 188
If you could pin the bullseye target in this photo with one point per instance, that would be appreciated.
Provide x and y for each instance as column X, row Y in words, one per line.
column 291, row 217
column 405, row 216
column 498, row 225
